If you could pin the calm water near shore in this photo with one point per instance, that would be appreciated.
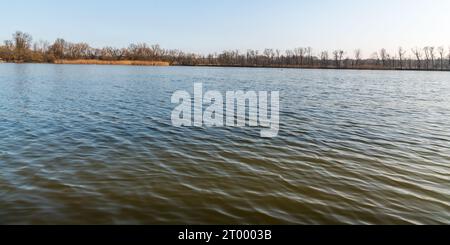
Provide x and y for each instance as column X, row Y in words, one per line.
column 95, row 145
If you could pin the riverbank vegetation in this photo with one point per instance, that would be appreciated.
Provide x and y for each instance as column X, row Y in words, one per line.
column 111, row 62
column 22, row 49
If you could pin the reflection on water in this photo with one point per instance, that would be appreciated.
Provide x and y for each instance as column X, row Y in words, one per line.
column 95, row 145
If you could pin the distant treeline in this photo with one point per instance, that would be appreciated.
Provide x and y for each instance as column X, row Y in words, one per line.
column 21, row 48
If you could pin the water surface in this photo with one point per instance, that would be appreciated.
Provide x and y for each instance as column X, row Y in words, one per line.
column 95, row 145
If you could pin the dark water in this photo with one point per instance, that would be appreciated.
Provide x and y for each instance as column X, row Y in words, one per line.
column 95, row 145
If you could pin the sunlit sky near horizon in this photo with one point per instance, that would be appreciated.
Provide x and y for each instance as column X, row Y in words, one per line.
column 214, row 25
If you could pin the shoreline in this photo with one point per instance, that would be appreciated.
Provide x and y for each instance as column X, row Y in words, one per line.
column 164, row 63
column 95, row 62
column 111, row 62
column 320, row 68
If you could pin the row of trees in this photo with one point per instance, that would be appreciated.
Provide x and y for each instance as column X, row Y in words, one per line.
column 21, row 48
column 428, row 58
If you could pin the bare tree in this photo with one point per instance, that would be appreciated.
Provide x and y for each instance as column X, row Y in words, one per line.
column 384, row 56
column 22, row 43
column 22, row 40
column 324, row 58
column 309, row 54
column 418, row 54
column 270, row 54
column 441, row 52
column 278, row 56
column 341, row 55
column 401, row 54
column 300, row 54
column 426, row 51
column 357, row 57
column 58, row 48
column 432, row 56
column 338, row 55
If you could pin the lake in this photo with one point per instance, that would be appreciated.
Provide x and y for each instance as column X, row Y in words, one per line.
column 95, row 145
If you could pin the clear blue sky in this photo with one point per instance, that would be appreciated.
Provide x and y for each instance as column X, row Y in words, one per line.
column 215, row 25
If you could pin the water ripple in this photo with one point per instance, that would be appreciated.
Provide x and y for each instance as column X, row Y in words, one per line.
column 95, row 145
